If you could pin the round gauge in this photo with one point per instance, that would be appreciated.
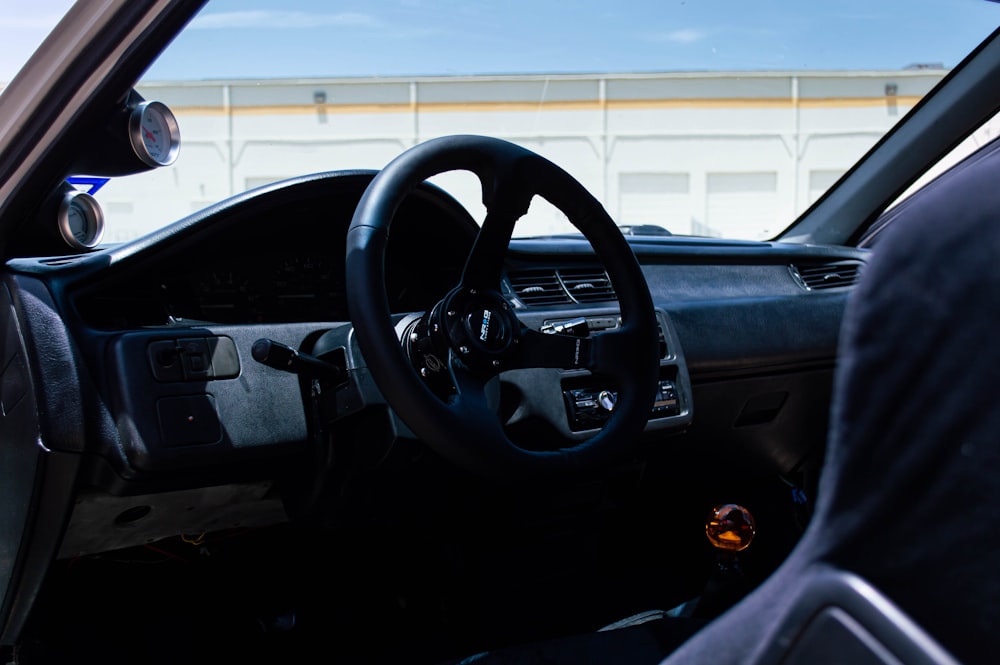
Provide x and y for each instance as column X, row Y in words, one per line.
column 154, row 134
column 81, row 220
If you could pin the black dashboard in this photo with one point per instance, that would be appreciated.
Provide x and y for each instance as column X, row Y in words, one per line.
column 150, row 343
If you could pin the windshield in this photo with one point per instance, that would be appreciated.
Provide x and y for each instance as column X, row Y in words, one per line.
column 710, row 118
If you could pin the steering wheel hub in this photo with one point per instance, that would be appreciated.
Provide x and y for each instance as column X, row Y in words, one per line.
column 476, row 324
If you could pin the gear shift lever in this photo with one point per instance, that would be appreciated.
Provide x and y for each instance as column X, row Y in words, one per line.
column 730, row 529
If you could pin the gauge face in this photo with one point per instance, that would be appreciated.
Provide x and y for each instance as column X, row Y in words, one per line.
column 154, row 134
column 81, row 220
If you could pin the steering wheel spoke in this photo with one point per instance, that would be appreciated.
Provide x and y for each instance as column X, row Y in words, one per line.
column 476, row 393
column 507, row 202
column 615, row 353
column 535, row 349
column 611, row 353
column 485, row 263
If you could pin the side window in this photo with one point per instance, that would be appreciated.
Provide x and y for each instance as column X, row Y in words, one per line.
column 986, row 133
column 983, row 136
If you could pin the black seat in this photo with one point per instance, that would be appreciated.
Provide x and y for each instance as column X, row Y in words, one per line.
column 836, row 617
column 901, row 562
column 909, row 497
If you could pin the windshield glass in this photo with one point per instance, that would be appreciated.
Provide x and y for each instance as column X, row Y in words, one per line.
column 23, row 26
column 722, row 118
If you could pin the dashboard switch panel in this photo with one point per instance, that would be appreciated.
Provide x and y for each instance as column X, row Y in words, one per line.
column 165, row 422
column 165, row 361
column 193, row 359
column 666, row 403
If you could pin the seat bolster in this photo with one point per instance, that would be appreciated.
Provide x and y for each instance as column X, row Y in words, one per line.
column 837, row 617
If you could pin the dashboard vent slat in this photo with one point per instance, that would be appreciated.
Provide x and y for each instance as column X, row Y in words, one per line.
column 538, row 287
column 832, row 275
column 561, row 286
column 587, row 285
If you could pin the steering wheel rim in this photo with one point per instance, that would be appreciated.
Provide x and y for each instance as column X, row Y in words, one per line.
column 466, row 428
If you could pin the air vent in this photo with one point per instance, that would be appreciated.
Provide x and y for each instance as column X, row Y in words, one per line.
column 587, row 285
column 538, row 287
column 819, row 276
column 561, row 286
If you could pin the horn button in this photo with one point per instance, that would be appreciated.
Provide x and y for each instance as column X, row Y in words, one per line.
column 478, row 325
column 487, row 327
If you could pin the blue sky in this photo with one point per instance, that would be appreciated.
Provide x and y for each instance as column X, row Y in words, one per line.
column 305, row 38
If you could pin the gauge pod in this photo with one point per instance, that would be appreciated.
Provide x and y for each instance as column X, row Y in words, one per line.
column 154, row 133
column 81, row 220
column 134, row 136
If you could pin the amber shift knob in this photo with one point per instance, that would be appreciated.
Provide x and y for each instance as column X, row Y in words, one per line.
column 730, row 527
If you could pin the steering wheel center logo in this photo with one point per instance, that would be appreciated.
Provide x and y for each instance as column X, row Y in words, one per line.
column 484, row 328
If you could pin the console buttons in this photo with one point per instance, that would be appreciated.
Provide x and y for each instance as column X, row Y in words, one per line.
column 193, row 359
column 165, row 361
column 666, row 400
column 589, row 408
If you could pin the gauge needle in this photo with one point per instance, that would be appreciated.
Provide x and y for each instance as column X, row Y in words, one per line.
column 149, row 134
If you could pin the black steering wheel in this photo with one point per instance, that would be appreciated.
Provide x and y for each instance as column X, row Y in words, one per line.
column 473, row 334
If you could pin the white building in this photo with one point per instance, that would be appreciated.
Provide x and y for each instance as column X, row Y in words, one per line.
column 737, row 154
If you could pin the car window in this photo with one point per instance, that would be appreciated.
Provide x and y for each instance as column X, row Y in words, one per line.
column 23, row 26
column 985, row 133
column 722, row 119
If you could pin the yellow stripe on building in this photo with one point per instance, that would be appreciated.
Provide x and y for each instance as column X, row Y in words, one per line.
column 576, row 105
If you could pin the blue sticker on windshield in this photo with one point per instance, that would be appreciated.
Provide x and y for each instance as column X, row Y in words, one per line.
column 95, row 184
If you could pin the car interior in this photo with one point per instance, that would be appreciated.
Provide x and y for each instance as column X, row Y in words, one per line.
column 335, row 419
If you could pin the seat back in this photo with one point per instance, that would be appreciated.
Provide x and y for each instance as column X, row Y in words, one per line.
column 909, row 498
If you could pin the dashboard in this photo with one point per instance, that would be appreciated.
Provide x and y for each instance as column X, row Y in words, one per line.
column 148, row 347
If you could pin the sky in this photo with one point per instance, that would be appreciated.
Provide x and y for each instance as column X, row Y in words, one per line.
column 310, row 38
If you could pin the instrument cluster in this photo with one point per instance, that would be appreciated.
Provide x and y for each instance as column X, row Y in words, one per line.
column 278, row 257
column 270, row 288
